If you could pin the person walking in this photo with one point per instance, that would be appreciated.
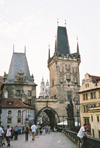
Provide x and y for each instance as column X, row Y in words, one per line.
column 1, row 133
column 8, row 134
column 3, row 136
column 80, row 136
column 43, row 130
column 12, row 132
column 26, row 132
column 16, row 129
column 33, row 128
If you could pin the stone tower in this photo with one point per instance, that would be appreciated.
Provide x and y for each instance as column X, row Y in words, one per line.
column 44, row 88
column 18, row 83
column 64, row 69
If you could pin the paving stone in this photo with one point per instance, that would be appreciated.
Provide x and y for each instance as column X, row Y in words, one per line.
column 52, row 140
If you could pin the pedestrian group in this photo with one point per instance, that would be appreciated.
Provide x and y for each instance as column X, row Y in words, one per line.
column 6, row 136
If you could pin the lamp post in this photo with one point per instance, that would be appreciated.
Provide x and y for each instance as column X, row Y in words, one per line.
column 27, row 116
column 77, row 107
column 63, row 122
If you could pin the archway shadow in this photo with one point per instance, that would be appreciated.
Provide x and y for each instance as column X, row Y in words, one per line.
column 51, row 113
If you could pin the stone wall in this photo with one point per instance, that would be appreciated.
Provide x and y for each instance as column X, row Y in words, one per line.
column 88, row 142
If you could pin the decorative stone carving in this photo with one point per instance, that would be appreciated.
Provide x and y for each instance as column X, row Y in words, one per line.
column 20, row 78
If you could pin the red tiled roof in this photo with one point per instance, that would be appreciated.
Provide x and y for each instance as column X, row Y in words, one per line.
column 14, row 103
column 95, row 78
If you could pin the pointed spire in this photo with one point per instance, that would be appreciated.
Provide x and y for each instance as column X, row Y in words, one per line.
column 25, row 49
column 77, row 47
column 49, row 53
column 13, row 48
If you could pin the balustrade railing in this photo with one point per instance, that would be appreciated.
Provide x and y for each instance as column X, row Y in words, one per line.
column 89, row 142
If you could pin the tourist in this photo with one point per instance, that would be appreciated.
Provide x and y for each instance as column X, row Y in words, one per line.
column 16, row 130
column 80, row 136
column 12, row 132
column 1, row 133
column 54, row 129
column 47, row 129
column 33, row 128
column 8, row 134
column 26, row 132
column 3, row 136
column 38, row 130
column 43, row 130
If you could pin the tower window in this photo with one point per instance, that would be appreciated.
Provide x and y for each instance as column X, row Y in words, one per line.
column 19, row 113
column 92, row 118
column 97, row 118
column 9, row 119
column 52, row 82
column 29, row 93
column 18, row 92
column 6, row 94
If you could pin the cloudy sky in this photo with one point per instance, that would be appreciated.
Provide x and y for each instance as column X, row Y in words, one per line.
column 34, row 23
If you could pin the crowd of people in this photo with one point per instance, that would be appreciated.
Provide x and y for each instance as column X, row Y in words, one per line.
column 34, row 130
column 10, row 133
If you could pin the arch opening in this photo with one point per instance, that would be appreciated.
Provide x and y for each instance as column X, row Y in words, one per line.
column 47, row 116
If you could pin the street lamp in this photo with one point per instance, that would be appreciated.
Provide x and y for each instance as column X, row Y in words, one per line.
column 77, row 107
column 63, row 122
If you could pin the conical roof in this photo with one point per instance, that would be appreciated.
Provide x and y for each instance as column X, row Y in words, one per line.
column 18, row 62
column 62, row 44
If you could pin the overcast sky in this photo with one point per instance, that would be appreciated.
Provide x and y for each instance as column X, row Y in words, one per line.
column 34, row 23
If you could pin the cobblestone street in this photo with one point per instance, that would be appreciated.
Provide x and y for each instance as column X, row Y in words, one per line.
column 52, row 140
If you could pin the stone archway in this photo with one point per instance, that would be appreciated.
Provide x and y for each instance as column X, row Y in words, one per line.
column 51, row 113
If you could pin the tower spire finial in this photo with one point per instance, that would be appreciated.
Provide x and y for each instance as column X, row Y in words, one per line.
column 77, row 46
column 49, row 52
column 25, row 49
column 65, row 22
column 13, row 48
column 57, row 22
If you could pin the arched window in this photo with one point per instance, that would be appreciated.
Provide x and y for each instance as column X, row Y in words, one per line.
column 9, row 113
column 6, row 94
column 9, row 119
column 19, row 113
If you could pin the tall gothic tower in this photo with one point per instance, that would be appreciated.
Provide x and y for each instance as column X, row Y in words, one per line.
column 64, row 69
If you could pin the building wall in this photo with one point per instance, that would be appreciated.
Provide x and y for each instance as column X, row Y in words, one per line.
column 24, row 92
column 25, row 113
column 61, row 69
column 89, row 99
column 95, row 123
